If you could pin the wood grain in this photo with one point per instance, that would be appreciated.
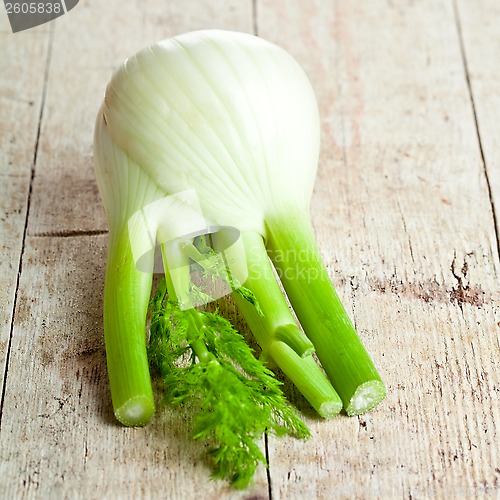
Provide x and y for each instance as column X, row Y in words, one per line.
column 59, row 437
column 404, row 220
column 481, row 46
column 21, row 97
column 404, row 215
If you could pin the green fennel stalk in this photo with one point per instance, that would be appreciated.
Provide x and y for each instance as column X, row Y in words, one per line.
column 294, row 252
column 266, row 312
column 126, row 295
column 233, row 119
column 232, row 396
column 277, row 333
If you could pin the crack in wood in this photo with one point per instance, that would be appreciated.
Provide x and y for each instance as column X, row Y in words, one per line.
column 25, row 230
column 470, row 91
column 268, row 468
column 255, row 26
column 70, row 233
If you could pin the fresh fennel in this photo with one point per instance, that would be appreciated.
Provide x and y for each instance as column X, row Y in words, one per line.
column 234, row 397
column 232, row 118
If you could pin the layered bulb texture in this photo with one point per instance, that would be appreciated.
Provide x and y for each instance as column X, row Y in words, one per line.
column 216, row 133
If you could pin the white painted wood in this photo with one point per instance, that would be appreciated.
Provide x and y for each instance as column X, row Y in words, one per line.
column 481, row 42
column 22, row 64
column 59, row 438
column 403, row 218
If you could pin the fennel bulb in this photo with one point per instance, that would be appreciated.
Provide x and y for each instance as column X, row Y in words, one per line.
column 234, row 119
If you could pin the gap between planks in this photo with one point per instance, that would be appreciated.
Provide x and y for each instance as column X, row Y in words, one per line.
column 28, row 204
column 476, row 121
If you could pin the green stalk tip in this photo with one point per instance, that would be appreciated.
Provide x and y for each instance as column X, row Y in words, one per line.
column 278, row 335
column 293, row 250
column 307, row 376
column 136, row 411
column 366, row 397
column 126, row 298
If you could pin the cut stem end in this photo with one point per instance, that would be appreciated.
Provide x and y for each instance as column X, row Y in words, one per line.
column 366, row 397
column 136, row 412
column 330, row 409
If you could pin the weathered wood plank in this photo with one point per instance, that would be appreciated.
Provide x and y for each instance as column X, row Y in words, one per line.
column 402, row 215
column 59, row 437
column 478, row 24
column 22, row 65
column 403, row 218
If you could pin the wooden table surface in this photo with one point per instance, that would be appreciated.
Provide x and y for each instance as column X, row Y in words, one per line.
column 406, row 211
